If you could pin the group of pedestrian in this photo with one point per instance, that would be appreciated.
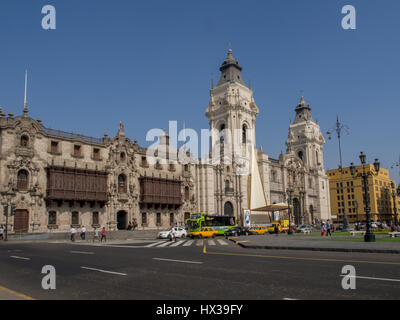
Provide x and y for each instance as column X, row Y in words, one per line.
column 132, row 225
column 96, row 235
column 327, row 228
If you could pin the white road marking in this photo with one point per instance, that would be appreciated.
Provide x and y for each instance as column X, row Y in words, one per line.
column 104, row 271
column 188, row 243
column 289, row 299
column 199, row 243
column 153, row 244
column 166, row 243
column 22, row 258
column 371, row 278
column 211, row 242
column 82, row 252
column 222, row 242
column 182, row 261
column 176, row 244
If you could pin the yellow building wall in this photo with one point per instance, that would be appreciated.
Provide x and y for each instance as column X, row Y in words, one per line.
column 348, row 190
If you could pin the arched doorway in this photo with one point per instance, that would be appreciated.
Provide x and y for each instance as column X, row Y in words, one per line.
column 228, row 209
column 296, row 211
column 121, row 220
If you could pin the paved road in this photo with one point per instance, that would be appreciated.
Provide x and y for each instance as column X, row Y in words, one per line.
column 86, row 271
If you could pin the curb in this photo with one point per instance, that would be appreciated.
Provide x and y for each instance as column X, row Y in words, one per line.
column 316, row 248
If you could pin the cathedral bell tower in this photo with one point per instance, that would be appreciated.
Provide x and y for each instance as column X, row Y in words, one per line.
column 305, row 139
column 232, row 111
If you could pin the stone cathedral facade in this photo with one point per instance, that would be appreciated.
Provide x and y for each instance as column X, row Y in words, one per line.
column 55, row 179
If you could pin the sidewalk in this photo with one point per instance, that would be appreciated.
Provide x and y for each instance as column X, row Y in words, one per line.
column 293, row 242
column 112, row 236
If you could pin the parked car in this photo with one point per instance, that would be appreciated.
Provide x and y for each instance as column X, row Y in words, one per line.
column 205, row 232
column 236, row 231
column 258, row 230
column 304, row 228
column 166, row 234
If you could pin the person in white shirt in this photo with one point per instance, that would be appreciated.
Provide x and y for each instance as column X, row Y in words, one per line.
column 1, row 233
column 73, row 231
column 83, row 233
column 173, row 235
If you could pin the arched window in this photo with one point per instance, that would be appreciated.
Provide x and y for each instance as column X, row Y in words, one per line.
column 22, row 180
column 228, row 209
column 121, row 183
column 244, row 133
column 227, row 185
column 222, row 133
column 24, row 141
column 300, row 154
column 122, row 156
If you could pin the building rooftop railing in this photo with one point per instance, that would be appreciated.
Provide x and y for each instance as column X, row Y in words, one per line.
column 69, row 135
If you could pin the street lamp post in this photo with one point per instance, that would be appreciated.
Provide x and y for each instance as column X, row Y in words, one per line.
column 338, row 128
column 394, row 194
column 369, row 235
column 289, row 192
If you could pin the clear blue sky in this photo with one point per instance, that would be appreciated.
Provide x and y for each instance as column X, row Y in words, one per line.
column 147, row 62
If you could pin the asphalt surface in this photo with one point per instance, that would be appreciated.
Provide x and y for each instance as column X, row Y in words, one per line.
column 218, row 272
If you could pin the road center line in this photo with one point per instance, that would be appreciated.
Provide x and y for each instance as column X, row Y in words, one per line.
column 21, row 258
column 371, row 278
column 182, row 261
column 82, row 252
column 303, row 258
column 104, row 271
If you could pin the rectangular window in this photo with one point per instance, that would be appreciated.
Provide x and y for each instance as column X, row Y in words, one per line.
column 171, row 219
column 158, row 218
column 54, row 147
column 77, row 150
column 95, row 218
column 75, row 218
column 52, row 218
column 96, row 153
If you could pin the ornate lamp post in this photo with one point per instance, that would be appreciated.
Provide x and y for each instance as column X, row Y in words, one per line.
column 289, row 192
column 302, row 194
column 338, row 128
column 369, row 236
column 394, row 194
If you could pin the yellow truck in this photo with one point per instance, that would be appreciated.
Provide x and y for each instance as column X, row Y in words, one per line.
column 283, row 226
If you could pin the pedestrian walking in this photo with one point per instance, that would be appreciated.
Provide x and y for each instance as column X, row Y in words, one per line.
column 276, row 229
column 322, row 229
column 328, row 228
column 96, row 235
column 1, row 233
column 83, row 233
column 103, row 235
column 172, row 235
column 73, row 232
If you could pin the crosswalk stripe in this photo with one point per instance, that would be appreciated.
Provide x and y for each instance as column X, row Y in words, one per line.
column 176, row 244
column 199, row 243
column 211, row 242
column 188, row 243
column 166, row 243
column 222, row 242
column 154, row 244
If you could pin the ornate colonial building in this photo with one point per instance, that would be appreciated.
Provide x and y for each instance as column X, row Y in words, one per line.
column 57, row 179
